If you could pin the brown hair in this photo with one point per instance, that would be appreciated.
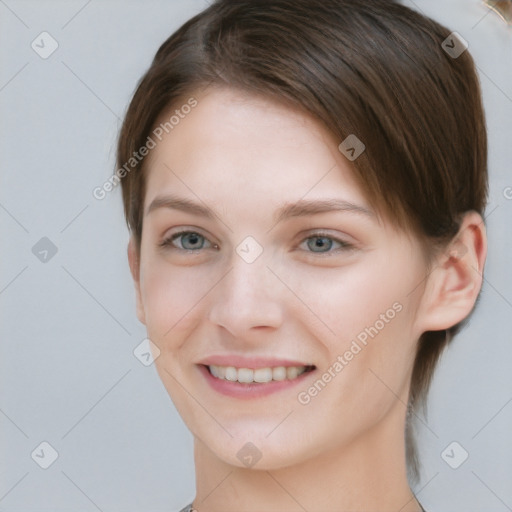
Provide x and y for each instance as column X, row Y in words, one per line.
column 375, row 69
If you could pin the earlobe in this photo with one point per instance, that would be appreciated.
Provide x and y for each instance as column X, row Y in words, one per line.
column 134, row 262
column 455, row 281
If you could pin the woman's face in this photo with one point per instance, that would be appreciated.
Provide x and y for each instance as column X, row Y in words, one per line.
column 290, row 272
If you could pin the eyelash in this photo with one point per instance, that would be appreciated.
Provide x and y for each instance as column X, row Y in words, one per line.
column 344, row 246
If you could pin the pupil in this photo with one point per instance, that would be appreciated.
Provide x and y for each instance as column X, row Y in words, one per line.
column 321, row 243
column 192, row 238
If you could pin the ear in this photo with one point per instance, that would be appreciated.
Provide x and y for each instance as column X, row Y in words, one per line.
column 134, row 261
column 456, row 279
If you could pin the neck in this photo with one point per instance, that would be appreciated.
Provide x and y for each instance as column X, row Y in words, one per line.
column 367, row 475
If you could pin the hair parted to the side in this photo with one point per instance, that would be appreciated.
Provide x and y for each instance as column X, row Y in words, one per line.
column 375, row 69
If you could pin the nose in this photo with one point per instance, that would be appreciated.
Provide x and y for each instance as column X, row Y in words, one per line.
column 247, row 299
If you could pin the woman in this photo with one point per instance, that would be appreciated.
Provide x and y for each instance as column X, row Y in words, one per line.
column 304, row 185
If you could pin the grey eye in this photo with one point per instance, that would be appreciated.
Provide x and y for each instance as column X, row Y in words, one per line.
column 188, row 241
column 319, row 243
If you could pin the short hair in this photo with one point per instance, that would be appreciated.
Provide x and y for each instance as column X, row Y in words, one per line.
column 375, row 69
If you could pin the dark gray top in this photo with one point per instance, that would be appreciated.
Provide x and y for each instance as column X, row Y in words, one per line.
column 189, row 508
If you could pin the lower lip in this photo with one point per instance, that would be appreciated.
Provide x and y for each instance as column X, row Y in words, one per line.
column 251, row 390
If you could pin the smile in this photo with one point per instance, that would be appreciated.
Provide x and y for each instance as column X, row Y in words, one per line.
column 258, row 375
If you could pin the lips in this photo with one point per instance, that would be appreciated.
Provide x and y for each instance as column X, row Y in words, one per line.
column 252, row 362
column 253, row 377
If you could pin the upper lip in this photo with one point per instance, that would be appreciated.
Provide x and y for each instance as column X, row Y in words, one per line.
column 250, row 362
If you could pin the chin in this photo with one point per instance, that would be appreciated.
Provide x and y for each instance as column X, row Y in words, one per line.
column 257, row 450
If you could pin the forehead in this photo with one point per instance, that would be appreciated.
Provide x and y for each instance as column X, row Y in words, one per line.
column 232, row 147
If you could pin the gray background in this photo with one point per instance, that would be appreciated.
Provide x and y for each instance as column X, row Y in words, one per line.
column 68, row 324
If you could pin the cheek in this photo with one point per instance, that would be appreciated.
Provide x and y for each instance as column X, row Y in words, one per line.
column 366, row 314
column 173, row 297
column 344, row 301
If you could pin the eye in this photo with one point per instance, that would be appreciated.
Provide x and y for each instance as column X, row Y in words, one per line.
column 321, row 243
column 318, row 243
column 187, row 241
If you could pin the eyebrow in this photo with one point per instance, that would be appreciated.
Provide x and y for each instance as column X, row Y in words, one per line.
column 301, row 208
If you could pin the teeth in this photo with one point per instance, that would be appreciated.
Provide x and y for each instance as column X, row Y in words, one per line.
column 231, row 374
column 245, row 375
column 292, row 372
column 279, row 373
column 261, row 375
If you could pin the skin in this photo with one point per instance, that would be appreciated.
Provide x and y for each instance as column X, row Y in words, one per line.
column 244, row 157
